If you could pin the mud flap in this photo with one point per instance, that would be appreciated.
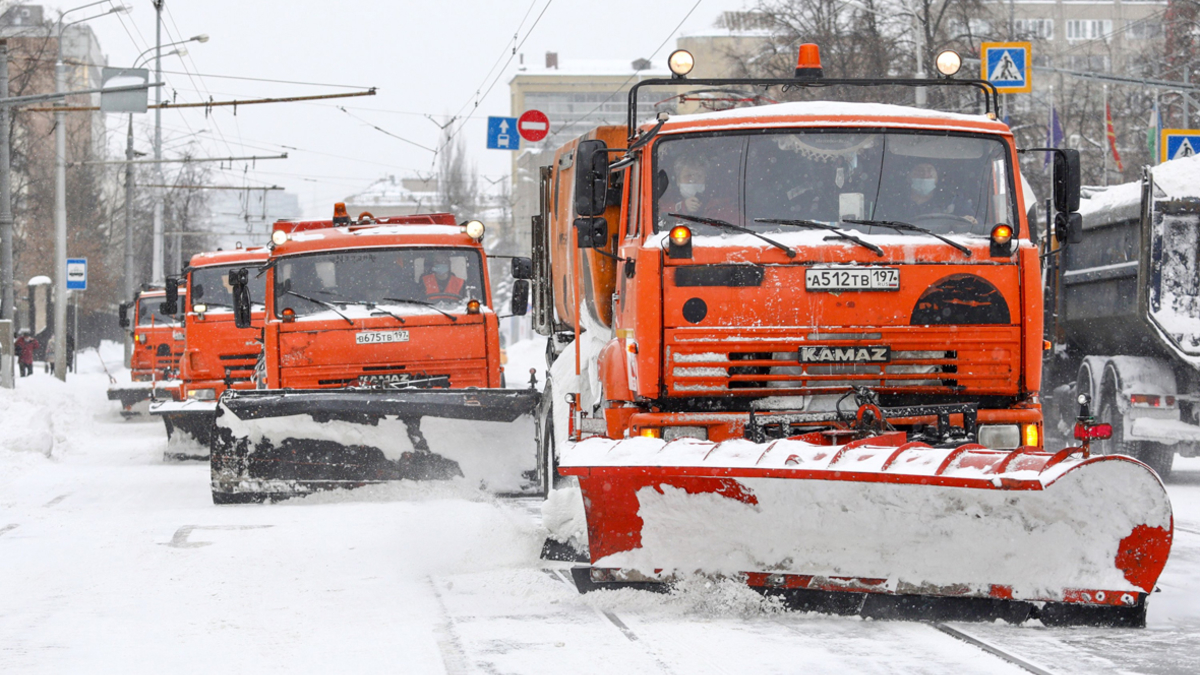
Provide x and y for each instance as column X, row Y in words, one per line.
column 282, row 443
column 881, row 527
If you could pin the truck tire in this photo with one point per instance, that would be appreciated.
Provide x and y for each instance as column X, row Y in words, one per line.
column 1110, row 414
column 1158, row 457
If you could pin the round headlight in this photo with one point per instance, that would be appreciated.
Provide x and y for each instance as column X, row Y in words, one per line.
column 948, row 63
column 681, row 62
column 279, row 237
column 474, row 229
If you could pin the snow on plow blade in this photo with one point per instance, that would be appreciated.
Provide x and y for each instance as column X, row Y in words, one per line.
column 132, row 393
column 880, row 527
column 189, row 427
column 273, row 444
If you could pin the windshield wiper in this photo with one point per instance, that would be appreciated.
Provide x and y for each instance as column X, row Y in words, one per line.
column 315, row 301
column 736, row 228
column 424, row 304
column 905, row 227
column 346, row 302
column 837, row 231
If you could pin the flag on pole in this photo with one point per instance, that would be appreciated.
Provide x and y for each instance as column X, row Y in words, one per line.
column 1112, row 137
column 1054, row 135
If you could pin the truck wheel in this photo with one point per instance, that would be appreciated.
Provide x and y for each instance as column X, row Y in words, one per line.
column 1110, row 414
column 1158, row 457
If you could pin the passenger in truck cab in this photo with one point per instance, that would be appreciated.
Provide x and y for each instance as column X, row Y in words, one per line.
column 925, row 194
column 441, row 285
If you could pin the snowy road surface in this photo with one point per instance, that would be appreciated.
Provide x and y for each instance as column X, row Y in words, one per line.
column 112, row 561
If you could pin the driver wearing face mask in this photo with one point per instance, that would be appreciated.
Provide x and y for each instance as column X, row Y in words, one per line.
column 440, row 284
column 695, row 193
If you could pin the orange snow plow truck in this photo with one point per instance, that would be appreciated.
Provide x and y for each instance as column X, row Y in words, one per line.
column 381, row 362
column 799, row 344
column 158, row 339
column 217, row 354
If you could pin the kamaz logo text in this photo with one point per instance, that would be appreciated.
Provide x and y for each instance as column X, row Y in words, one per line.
column 845, row 354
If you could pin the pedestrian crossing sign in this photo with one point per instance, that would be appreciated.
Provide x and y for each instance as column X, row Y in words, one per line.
column 1179, row 143
column 1007, row 65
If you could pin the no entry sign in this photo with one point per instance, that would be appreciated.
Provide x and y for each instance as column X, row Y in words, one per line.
column 533, row 125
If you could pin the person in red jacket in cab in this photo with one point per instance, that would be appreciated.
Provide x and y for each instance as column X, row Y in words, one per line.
column 441, row 285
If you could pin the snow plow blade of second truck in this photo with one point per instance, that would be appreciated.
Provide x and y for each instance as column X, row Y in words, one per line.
column 270, row 444
column 880, row 527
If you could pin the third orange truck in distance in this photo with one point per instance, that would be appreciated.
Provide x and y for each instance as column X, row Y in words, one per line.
column 158, row 336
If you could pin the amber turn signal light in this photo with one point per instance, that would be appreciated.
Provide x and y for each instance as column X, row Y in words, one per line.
column 681, row 235
column 288, row 314
column 472, row 306
column 1002, row 234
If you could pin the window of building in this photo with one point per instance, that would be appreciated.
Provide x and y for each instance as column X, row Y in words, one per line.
column 1143, row 30
column 1089, row 29
column 1091, row 63
column 1034, row 28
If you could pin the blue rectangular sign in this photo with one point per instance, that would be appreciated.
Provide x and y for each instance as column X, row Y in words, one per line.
column 502, row 134
column 76, row 274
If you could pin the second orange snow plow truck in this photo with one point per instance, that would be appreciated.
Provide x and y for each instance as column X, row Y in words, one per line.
column 800, row 345
column 381, row 362
column 217, row 354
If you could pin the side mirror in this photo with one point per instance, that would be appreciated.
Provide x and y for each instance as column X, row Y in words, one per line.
column 591, row 178
column 123, row 315
column 1066, row 181
column 520, row 297
column 171, row 306
column 593, row 232
column 1068, row 227
column 238, row 280
column 522, row 268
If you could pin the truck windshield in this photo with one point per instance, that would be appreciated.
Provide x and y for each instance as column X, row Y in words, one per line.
column 446, row 277
column 148, row 314
column 210, row 286
column 948, row 183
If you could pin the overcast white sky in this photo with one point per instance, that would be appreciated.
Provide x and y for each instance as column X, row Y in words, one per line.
column 424, row 58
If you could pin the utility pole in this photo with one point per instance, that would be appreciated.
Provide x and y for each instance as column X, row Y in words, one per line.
column 157, row 266
column 6, row 231
column 7, row 298
column 60, row 217
column 129, row 285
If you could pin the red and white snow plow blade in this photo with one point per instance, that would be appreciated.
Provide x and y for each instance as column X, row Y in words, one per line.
column 880, row 526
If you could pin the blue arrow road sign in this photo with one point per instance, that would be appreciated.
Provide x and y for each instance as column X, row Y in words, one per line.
column 502, row 134
column 76, row 274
